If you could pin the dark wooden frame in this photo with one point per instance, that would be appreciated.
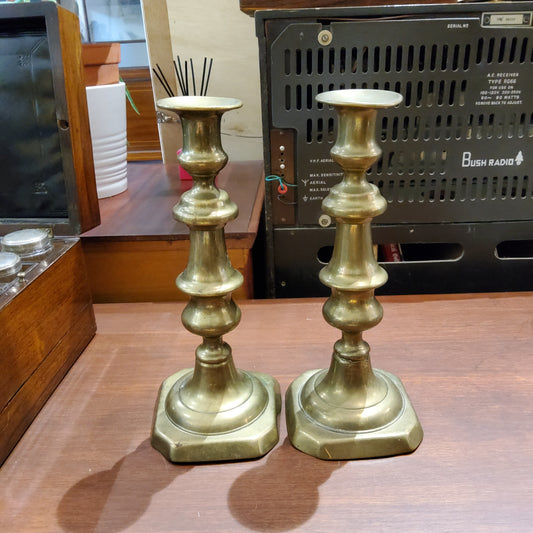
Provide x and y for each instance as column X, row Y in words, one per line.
column 63, row 35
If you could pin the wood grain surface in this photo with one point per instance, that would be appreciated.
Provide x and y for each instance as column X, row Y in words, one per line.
column 78, row 119
column 139, row 249
column 251, row 6
column 144, row 211
column 86, row 463
column 44, row 328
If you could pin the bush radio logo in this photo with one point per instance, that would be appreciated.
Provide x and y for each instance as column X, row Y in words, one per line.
column 469, row 161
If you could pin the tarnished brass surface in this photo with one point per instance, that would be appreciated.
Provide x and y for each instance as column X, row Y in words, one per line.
column 213, row 412
column 352, row 411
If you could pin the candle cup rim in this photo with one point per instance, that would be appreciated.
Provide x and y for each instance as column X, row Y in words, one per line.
column 199, row 103
column 361, row 98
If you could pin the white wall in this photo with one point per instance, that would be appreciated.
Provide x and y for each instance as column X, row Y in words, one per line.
column 218, row 29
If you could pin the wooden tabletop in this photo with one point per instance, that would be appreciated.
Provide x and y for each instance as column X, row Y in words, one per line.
column 144, row 210
column 466, row 361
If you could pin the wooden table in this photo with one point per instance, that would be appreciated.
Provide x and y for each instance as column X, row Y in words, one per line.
column 467, row 362
column 139, row 248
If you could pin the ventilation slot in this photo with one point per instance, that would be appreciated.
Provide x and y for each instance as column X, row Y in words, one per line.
column 523, row 50
column 496, row 188
column 433, row 58
column 324, row 254
column 492, row 126
column 419, row 252
column 298, row 62
column 324, row 130
column 319, row 130
column 399, row 163
column 446, row 126
column 442, row 189
column 455, row 59
column 421, row 58
column 410, row 58
column 466, row 60
column 400, row 58
column 376, row 59
column 444, row 60
column 501, row 53
column 320, row 61
column 490, row 51
column 479, row 51
column 388, row 59
column 515, row 250
column 428, row 94
column 408, row 91
column 342, row 61
column 309, row 61
column 354, row 60
column 331, row 131
column 365, row 60
column 499, row 50
column 512, row 50
column 319, row 89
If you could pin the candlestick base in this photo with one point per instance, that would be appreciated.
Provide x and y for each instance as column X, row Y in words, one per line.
column 238, row 430
column 383, row 424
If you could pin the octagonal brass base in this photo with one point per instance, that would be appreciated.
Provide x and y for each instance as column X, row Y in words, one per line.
column 254, row 421
column 399, row 433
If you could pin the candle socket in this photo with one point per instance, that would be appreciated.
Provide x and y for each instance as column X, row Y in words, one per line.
column 213, row 412
column 351, row 411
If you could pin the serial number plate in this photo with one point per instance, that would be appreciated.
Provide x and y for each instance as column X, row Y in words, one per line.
column 506, row 19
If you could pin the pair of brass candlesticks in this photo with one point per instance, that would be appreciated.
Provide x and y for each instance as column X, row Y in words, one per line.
column 215, row 412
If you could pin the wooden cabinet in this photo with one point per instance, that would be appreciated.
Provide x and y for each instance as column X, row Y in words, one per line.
column 139, row 249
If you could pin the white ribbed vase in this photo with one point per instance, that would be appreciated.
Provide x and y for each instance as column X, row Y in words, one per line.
column 107, row 117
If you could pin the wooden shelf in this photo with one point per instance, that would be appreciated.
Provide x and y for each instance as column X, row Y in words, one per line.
column 139, row 248
column 86, row 463
column 251, row 6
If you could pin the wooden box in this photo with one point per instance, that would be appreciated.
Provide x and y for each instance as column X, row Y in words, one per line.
column 100, row 63
column 46, row 314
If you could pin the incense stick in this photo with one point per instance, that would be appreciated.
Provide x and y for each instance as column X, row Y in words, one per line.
column 203, row 78
column 208, row 75
column 165, row 80
column 193, row 80
column 182, row 76
column 178, row 78
column 162, row 83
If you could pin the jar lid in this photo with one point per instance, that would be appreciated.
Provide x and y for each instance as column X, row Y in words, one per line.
column 9, row 264
column 27, row 242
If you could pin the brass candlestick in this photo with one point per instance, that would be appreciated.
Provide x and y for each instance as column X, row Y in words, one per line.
column 213, row 412
column 352, row 411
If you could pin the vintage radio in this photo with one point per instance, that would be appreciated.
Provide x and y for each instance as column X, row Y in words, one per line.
column 456, row 166
column 47, row 196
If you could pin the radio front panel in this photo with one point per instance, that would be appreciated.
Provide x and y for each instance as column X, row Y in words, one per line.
column 458, row 149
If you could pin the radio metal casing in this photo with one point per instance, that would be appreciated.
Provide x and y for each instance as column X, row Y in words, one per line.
column 457, row 159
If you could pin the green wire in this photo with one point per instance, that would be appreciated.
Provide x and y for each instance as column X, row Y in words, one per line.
column 273, row 177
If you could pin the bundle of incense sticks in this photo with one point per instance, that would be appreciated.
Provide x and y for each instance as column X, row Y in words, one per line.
column 182, row 75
